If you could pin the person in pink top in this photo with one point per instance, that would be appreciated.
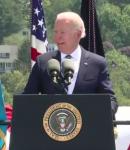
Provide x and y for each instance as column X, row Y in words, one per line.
column 128, row 147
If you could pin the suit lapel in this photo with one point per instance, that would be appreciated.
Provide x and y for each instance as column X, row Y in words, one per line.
column 82, row 69
column 57, row 55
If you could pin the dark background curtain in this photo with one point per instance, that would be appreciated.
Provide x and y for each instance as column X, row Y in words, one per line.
column 92, row 42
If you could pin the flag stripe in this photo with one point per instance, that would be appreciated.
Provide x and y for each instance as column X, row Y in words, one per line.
column 39, row 45
column 34, row 54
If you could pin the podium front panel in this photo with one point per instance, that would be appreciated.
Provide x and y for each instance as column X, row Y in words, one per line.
column 28, row 132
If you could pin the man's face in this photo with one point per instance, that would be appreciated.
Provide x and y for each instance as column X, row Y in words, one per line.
column 66, row 36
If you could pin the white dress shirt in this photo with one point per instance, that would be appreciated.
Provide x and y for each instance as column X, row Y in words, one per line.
column 76, row 56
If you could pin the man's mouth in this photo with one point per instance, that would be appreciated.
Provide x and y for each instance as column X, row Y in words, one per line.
column 61, row 43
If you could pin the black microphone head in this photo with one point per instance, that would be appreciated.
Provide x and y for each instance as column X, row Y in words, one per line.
column 53, row 65
column 68, row 65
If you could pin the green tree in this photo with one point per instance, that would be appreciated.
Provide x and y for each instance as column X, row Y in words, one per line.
column 115, row 24
column 119, row 66
column 14, row 83
column 24, row 57
column 119, row 2
column 11, row 17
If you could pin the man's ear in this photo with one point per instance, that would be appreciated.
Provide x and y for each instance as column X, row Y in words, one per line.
column 79, row 33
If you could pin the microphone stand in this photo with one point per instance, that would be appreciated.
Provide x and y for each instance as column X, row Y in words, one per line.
column 60, row 84
column 63, row 84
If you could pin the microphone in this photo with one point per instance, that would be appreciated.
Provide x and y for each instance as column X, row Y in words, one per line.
column 53, row 69
column 68, row 70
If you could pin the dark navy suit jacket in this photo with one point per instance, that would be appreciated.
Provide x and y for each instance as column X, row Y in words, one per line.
column 92, row 77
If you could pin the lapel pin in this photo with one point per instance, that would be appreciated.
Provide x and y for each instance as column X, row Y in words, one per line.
column 85, row 63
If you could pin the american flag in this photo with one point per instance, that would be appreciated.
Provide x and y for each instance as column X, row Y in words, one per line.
column 38, row 31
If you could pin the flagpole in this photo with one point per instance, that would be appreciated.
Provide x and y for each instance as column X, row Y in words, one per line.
column 30, row 23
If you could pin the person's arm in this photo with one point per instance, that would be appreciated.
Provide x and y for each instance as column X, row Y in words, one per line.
column 33, row 83
column 105, row 85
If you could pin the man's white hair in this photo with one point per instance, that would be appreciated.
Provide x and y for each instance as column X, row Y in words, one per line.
column 75, row 19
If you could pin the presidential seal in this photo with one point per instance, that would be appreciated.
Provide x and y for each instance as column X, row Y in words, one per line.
column 62, row 121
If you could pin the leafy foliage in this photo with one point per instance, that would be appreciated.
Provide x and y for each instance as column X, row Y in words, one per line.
column 115, row 24
column 24, row 60
column 119, row 66
column 11, row 19
column 13, row 83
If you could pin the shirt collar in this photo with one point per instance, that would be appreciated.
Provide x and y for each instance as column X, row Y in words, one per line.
column 76, row 54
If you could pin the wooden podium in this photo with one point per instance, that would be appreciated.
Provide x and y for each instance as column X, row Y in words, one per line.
column 62, row 122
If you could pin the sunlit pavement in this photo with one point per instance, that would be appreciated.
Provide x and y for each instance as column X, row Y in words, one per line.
column 123, row 138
